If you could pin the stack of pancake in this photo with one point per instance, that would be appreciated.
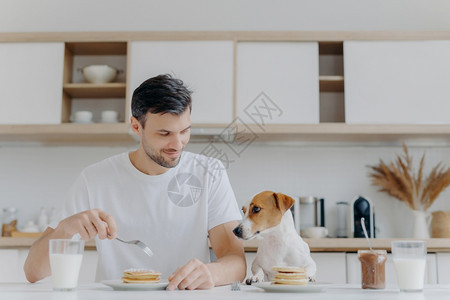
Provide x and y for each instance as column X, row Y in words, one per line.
column 290, row 275
column 140, row 276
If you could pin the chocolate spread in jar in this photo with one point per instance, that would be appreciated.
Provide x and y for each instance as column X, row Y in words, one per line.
column 372, row 268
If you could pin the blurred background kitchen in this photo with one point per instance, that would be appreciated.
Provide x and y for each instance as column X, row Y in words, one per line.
column 35, row 175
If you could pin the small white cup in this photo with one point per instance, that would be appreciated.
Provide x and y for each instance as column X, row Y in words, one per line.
column 315, row 232
column 410, row 258
column 83, row 116
column 109, row 116
column 65, row 262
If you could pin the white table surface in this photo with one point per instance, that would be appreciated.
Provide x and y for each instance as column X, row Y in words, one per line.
column 98, row 291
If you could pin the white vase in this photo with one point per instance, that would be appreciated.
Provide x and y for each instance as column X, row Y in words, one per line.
column 421, row 224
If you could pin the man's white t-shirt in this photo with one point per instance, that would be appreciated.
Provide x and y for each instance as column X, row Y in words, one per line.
column 171, row 213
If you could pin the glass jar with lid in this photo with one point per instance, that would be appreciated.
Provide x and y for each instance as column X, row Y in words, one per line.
column 9, row 221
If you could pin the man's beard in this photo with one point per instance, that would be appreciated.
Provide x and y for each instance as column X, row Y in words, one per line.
column 160, row 160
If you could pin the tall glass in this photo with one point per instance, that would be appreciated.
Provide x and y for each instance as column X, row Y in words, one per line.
column 65, row 262
column 410, row 260
column 372, row 268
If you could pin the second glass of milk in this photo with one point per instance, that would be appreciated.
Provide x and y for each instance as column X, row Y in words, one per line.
column 65, row 262
column 410, row 260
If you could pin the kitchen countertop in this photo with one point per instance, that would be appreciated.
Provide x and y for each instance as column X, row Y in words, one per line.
column 316, row 245
column 98, row 291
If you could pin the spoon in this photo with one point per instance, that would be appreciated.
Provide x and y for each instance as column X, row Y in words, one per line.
column 365, row 233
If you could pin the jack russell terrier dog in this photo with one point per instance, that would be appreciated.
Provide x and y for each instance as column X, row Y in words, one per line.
column 268, row 215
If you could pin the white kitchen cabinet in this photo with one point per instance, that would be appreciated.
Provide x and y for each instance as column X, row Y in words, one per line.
column 443, row 267
column 31, row 83
column 354, row 270
column 331, row 266
column 277, row 82
column 397, row 82
column 206, row 67
column 272, row 77
column 9, row 261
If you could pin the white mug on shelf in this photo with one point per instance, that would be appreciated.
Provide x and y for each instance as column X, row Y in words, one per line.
column 109, row 116
column 314, row 232
column 83, row 116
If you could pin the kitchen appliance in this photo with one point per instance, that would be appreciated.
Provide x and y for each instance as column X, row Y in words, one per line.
column 361, row 207
column 342, row 219
column 308, row 211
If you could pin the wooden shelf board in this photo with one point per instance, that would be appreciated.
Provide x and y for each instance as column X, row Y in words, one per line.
column 90, row 90
column 323, row 132
column 355, row 244
column 67, row 133
column 26, row 242
column 315, row 245
column 337, row 78
column 317, row 36
column 341, row 132
column 97, row 48
column 331, row 83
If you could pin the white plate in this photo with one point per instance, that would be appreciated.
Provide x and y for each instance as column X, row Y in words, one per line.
column 287, row 288
column 118, row 285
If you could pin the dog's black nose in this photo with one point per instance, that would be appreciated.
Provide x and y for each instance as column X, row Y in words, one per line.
column 237, row 231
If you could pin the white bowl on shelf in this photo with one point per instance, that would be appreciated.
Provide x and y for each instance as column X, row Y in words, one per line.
column 82, row 116
column 99, row 73
column 109, row 116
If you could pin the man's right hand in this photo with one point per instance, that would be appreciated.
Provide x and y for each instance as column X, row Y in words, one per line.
column 88, row 224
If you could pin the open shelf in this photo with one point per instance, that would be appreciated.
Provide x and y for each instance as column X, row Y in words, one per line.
column 331, row 72
column 80, row 54
column 90, row 90
column 331, row 82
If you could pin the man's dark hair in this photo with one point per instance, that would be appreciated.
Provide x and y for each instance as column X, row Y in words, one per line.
column 160, row 95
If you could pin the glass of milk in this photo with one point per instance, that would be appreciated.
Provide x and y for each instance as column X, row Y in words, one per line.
column 65, row 262
column 410, row 259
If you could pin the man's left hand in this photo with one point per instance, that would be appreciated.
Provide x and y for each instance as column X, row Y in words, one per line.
column 191, row 276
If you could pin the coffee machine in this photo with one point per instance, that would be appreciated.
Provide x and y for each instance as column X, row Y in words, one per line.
column 361, row 207
column 308, row 211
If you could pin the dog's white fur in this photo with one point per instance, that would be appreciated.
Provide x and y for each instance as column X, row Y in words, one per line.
column 281, row 246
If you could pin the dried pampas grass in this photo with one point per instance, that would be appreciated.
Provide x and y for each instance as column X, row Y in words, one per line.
column 399, row 180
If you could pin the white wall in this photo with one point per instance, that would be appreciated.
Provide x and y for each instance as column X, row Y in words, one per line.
column 32, row 176
column 110, row 15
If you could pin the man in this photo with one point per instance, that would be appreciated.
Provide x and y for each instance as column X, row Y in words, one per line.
column 169, row 199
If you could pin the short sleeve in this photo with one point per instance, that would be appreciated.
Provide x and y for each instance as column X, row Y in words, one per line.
column 75, row 201
column 222, row 205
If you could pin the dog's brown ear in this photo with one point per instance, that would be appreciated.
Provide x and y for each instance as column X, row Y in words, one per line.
column 283, row 202
column 244, row 209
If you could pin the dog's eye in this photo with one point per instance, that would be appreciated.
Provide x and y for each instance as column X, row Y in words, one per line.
column 256, row 209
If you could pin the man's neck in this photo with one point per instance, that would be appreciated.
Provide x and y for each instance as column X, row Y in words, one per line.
column 145, row 164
